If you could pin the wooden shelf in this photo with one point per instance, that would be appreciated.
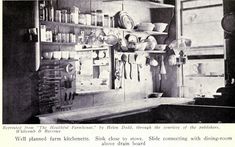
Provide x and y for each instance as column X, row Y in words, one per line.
column 92, row 49
column 142, row 52
column 152, row 52
column 58, row 43
column 57, row 60
column 204, row 76
column 100, row 64
column 94, row 91
column 48, row 69
column 100, row 27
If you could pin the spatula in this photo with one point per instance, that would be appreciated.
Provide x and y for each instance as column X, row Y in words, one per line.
column 131, row 61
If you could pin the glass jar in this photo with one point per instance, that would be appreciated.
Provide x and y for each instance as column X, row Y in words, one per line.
column 64, row 16
column 69, row 17
column 112, row 22
column 57, row 15
column 82, row 19
column 88, row 19
column 74, row 14
column 93, row 18
column 99, row 15
column 106, row 21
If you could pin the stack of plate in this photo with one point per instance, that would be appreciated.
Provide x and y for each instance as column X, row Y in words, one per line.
column 123, row 20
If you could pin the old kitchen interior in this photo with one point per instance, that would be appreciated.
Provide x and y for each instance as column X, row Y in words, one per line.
column 117, row 61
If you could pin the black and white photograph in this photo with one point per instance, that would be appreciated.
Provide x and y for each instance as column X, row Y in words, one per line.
column 118, row 61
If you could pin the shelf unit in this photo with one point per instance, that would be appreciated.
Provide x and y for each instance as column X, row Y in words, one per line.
column 96, row 67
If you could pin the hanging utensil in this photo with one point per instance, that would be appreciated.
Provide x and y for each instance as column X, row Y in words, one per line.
column 163, row 69
column 138, row 72
column 131, row 61
column 162, row 73
column 138, row 62
column 130, row 65
column 124, row 60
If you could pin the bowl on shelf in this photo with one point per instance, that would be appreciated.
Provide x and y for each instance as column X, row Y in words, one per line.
column 160, row 27
column 47, row 55
column 155, row 95
column 141, row 46
column 145, row 27
column 160, row 47
column 151, row 43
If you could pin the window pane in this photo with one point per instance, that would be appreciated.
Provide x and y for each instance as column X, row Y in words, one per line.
column 203, row 77
column 203, row 26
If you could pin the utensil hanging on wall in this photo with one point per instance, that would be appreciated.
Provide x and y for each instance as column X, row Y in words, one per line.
column 163, row 68
column 131, row 60
column 124, row 60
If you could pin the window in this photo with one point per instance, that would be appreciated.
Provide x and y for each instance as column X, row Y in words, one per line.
column 200, row 20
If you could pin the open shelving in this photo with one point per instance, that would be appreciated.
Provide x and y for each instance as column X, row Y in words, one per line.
column 100, row 27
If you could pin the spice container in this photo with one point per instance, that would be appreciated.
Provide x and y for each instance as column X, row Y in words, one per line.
column 49, row 35
column 64, row 16
column 72, row 38
column 88, row 19
column 50, row 11
column 69, row 17
column 82, row 19
column 43, row 32
column 74, row 15
column 93, row 18
column 63, row 37
column 112, row 22
column 59, row 37
column 99, row 15
column 67, row 38
column 42, row 10
column 57, row 15
column 54, row 36
column 106, row 21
